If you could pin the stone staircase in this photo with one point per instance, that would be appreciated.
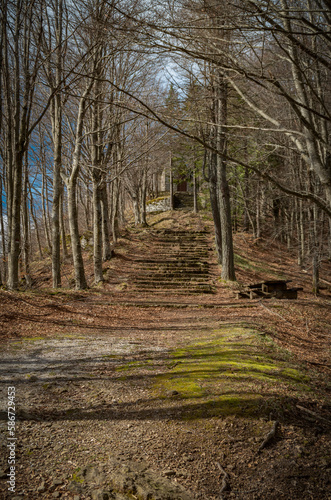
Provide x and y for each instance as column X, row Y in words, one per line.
column 182, row 199
column 176, row 261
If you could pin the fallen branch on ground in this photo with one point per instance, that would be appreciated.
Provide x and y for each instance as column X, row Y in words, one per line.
column 313, row 414
column 225, row 484
column 276, row 313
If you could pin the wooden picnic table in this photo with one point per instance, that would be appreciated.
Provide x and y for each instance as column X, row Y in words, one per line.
column 270, row 288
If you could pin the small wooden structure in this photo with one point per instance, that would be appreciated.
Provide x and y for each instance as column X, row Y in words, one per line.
column 268, row 289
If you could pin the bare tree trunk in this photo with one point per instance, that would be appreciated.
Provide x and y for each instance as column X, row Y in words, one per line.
column 171, row 181
column 315, row 272
column 18, row 146
column 106, row 248
column 257, row 212
column 80, row 280
column 97, row 232
column 246, row 196
column 195, row 191
column 15, row 230
column 3, row 237
column 114, row 212
column 85, row 201
column 57, row 139
column 25, row 215
column 143, row 194
column 301, row 232
column 62, row 226
column 136, row 209
column 34, row 218
column 155, row 185
column 215, row 206
column 228, row 272
column 44, row 208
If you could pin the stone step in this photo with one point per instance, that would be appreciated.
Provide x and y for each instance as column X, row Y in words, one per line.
column 177, row 290
column 181, row 246
column 172, row 257
column 178, row 240
column 176, row 261
column 170, row 285
column 148, row 279
column 174, row 275
column 189, row 242
column 178, row 232
column 188, row 291
column 179, row 250
column 172, row 261
column 183, row 199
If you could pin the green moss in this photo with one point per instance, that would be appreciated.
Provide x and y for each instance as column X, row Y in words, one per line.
column 76, row 476
column 231, row 372
column 155, row 200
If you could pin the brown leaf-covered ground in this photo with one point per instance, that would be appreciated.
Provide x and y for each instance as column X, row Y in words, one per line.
column 190, row 384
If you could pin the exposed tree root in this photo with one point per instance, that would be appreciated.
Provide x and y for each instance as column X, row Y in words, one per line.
column 270, row 436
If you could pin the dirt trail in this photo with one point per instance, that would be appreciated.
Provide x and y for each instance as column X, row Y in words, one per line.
column 124, row 395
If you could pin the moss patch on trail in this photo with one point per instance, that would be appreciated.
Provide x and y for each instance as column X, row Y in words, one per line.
column 234, row 372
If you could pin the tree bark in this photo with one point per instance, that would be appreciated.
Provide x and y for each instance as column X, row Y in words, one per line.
column 44, row 208
column 3, row 236
column 106, row 248
column 215, row 206
column 34, row 218
column 57, row 140
column 97, row 232
column 143, row 194
column 171, row 182
column 15, row 230
column 195, row 191
column 62, row 226
column 80, row 280
column 26, row 234
column 228, row 272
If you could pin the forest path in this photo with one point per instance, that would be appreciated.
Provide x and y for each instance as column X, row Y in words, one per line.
column 162, row 385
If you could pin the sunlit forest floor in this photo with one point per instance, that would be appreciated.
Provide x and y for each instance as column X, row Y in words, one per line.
column 188, row 386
